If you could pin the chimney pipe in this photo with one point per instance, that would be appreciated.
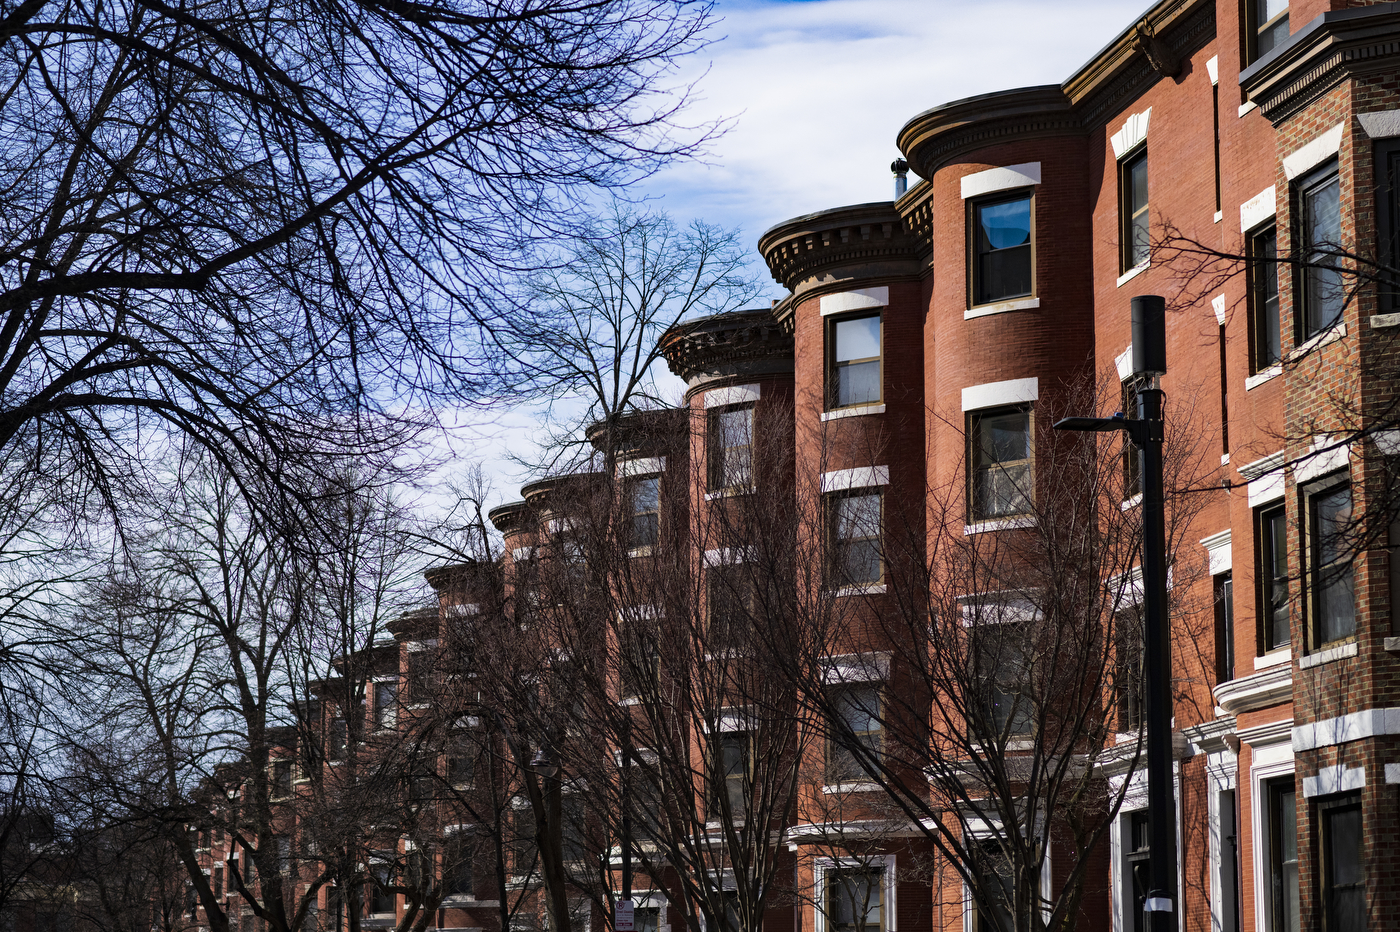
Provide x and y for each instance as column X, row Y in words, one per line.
column 901, row 180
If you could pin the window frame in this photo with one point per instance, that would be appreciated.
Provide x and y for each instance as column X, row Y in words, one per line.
column 717, row 781
column 386, row 713
column 1262, row 270
column 1271, row 543
column 1129, row 680
column 833, row 368
column 1312, row 495
column 1327, row 809
column 1385, row 166
column 1255, row 29
column 838, row 547
column 634, row 513
column 1135, row 823
column 1275, row 861
column 1131, row 387
column 1223, row 585
column 976, row 512
column 873, row 739
column 1304, row 190
column 975, row 289
column 874, row 880
column 994, row 689
column 717, row 466
column 1128, row 213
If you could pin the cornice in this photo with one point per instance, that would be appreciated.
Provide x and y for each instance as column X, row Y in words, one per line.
column 1269, row 687
column 1332, row 47
column 1152, row 47
column 728, row 347
column 868, row 242
column 639, row 433
column 507, row 518
column 545, row 494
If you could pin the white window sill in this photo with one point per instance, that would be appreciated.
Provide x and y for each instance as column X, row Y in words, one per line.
column 731, row 492
column 1330, row 655
column 852, row 411
column 1219, row 216
column 1247, row 106
column 629, row 701
column 999, row 524
column 460, row 899
column 1332, row 335
column 1264, row 375
column 1001, row 307
column 1384, row 321
column 1274, row 658
column 641, row 551
column 1392, row 644
column 835, row 789
column 873, row 589
column 1131, row 503
column 1134, row 272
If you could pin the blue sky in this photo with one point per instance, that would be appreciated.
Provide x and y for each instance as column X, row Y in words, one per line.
column 815, row 92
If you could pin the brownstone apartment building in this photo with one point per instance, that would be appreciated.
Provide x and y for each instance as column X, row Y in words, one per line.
column 1237, row 158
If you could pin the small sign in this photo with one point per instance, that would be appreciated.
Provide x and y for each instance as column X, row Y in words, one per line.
column 623, row 916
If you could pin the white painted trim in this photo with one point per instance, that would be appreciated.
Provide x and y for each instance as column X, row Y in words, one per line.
column 1123, row 362
column 852, row 411
column 1217, row 304
column 859, row 477
column 1331, row 335
column 1266, row 489
column 995, row 394
column 1336, row 779
column 733, row 395
column 886, row 865
column 645, row 466
column 1218, row 549
column 1392, row 773
column 1323, row 460
column 416, row 647
column 1218, row 216
column 1387, row 441
column 858, row 300
column 728, row 556
column 1384, row 321
column 1213, row 68
column 1259, row 208
column 1331, row 654
column 1133, row 132
column 1354, row 726
column 1312, row 154
column 1001, row 307
column 1274, row 658
column 1000, row 179
column 522, row 553
column 1133, row 273
column 855, row 668
column 1264, row 375
column 1275, row 761
column 1247, row 106
column 999, row 524
column 1380, row 124
column 1221, row 770
column 1273, row 462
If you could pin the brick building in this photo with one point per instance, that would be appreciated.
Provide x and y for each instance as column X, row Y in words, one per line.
column 1235, row 157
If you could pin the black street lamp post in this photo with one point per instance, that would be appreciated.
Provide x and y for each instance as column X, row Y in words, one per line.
column 1146, row 432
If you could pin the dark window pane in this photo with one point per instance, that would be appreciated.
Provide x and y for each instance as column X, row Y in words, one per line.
column 1322, row 233
column 1267, row 341
column 1274, row 576
column 1003, row 250
column 1001, row 464
column 1344, row 873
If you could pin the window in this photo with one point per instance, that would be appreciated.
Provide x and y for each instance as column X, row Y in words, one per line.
column 461, row 760
column 1282, row 851
column 1132, row 459
column 1343, row 867
column 419, row 679
column 1224, row 628
column 1137, row 868
column 733, row 606
column 730, row 445
column 1001, row 706
column 1230, row 885
column 574, row 829
column 856, row 714
column 1128, row 670
column 1000, row 480
column 1387, row 168
column 284, row 856
column 1273, row 577
column 853, row 377
column 1320, row 235
column 854, row 899
column 281, row 779
column 218, row 884
column 1266, row 347
column 646, row 919
column 1132, row 197
column 1331, row 599
column 385, row 699
column 854, row 534
column 1268, row 26
column 639, row 660
column 526, row 594
column 337, row 739
column 381, row 898
column 645, row 498
column 1001, row 249
column 729, row 774
column 992, row 868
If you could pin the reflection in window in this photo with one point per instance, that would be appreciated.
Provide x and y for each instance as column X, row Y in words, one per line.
column 1321, row 233
column 646, row 511
column 1268, row 20
column 730, row 446
column 1002, row 241
column 1273, row 577
column 856, row 710
column 855, row 361
column 854, row 901
column 993, row 870
column 855, row 539
column 1283, row 854
column 1132, row 191
column 1000, row 459
column 1263, row 275
column 1137, row 867
column 1343, row 870
column 1333, row 602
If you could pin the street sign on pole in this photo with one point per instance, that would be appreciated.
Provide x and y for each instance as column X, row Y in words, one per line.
column 623, row 916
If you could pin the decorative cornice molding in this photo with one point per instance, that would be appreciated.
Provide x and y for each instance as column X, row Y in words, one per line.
column 870, row 238
column 1331, row 48
column 725, row 347
column 1268, row 687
